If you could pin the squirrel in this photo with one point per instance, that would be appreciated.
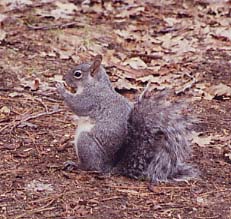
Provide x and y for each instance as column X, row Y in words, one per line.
column 142, row 140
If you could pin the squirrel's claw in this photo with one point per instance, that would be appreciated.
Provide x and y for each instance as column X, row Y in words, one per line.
column 60, row 87
column 70, row 166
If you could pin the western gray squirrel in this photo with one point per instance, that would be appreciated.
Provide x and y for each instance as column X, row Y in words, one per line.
column 143, row 140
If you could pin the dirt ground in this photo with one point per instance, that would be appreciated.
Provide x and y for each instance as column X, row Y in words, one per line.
column 181, row 45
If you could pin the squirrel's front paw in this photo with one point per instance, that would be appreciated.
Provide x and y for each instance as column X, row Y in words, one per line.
column 60, row 88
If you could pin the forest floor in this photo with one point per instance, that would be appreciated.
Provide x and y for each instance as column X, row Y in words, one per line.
column 180, row 45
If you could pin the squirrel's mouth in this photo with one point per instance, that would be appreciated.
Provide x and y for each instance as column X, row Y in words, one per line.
column 70, row 88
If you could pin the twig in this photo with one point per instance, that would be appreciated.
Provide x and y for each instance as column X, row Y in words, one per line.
column 146, row 55
column 43, row 104
column 144, row 91
column 29, row 117
column 55, row 26
column 187, row 85
column 10, row 171
column 111, row 198
column 44, row 96
column 36, row 210
column 218, row 191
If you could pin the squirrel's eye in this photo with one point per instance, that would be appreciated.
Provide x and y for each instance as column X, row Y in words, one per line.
column 78, row 74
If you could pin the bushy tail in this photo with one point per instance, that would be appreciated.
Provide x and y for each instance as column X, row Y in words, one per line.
column 157, row 144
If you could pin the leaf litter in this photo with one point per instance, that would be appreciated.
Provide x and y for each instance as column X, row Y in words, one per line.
column 178, row 45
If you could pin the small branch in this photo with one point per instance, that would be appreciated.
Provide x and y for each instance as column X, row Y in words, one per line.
column 55, row 26
column 111, row 198
column 144, row 91
column 44, row 96
column 29, row 117
column 146, row 55
column 33, row 211
column 188, row 85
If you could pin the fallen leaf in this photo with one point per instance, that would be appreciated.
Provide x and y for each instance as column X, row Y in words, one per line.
column 201, row 141
column 47, row 54
column 15, row 94
column 132, row 11
column 171, row 21
column 32, row 85
column 123, row 33
column 2, row 35
column 124, row 84
column 57, row 78
column 202, row 201
column 64, row 54
column 64, row 10
column 223, row 33
column 27, row 124
column 135, row 63
column 220, row 90
column 36, row 186
column 15, row 4
column 154, row 79
column 2, row 18
column 5, row 110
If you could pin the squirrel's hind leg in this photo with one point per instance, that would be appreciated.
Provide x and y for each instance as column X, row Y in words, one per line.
column 91, row 155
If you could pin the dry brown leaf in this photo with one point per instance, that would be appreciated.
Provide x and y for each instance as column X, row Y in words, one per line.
column 202, row 201
column 110, row 58
column 15, row 94
column 2, row 35
column 201, row 141
column 33, row 85
column 148, row 78
column 220, row 90
column 124, row 84
column 135, row 63
column 124, row 34
column 63, row 10
column 64, row 54
column 5, row 110
column 16, row 4
column 47, row 54
column 133, row 73
column 57, row 78
column 171, row 21
column 223, row 33
column 135, row 10
column 183, row 47
column 2, row 18
column 76, row 58
column 200, row 89
column 166, row 38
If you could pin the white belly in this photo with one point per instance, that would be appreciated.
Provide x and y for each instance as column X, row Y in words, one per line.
column 85, row 124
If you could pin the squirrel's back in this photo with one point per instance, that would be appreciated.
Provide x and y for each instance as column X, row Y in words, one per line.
column 157, row 142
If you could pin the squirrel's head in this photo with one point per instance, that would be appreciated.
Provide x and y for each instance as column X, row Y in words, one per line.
column 82, row 74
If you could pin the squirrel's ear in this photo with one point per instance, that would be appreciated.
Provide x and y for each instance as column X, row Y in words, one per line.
column 96, row 64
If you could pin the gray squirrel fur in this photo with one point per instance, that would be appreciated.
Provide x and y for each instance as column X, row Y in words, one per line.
column 142, row 140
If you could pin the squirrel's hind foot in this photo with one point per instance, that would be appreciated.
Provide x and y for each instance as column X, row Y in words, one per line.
column 70, row 166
